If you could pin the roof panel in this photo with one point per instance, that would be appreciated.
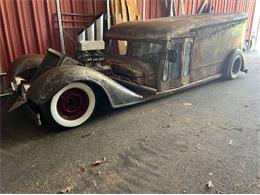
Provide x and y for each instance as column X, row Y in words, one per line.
column 169, row 27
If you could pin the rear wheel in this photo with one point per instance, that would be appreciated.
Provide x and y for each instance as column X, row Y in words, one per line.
column 71, row 106
column 233, row 64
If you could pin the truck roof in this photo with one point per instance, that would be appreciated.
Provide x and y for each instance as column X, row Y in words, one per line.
column 170, row 27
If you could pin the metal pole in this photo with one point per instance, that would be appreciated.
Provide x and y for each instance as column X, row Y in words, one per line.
column 62, row 44
column 99, row 27
column 257, row 34
column 174, row 8
column 143, row 9
column 171, row 8
column 108, row 15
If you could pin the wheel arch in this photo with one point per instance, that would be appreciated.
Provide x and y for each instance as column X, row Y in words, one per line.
column 231, row 53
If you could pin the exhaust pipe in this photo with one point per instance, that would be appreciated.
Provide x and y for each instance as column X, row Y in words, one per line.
column 91, row 32
column 99, row 27
column 81, row 36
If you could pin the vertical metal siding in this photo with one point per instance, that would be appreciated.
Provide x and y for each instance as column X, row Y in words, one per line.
column 28, row 26
column 156, row 8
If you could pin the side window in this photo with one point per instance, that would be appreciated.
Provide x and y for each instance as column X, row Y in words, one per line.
column 187, row 58
column 176, row 63
column 165, row 71
column 117, row 47
column 122, row 47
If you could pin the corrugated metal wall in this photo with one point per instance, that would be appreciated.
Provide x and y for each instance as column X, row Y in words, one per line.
column 157, row 8
column 29, row 26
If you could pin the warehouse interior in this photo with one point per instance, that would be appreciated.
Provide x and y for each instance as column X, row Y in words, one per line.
column 197, row 134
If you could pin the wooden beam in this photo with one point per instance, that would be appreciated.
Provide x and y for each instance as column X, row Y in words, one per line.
column 143, row 9
column 132, row 10
column 124, row 11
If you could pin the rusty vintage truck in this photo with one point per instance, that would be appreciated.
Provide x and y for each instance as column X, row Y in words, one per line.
column 144, row 60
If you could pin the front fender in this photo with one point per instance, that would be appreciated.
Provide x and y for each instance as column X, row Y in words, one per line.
column 44, row 87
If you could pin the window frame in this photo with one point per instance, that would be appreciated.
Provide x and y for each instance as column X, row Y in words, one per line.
column 179, row 41
column 190, row 57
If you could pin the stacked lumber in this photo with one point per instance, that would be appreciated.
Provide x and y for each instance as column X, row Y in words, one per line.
column 124, row 11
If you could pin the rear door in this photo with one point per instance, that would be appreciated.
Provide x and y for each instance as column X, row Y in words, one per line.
column 180, row 62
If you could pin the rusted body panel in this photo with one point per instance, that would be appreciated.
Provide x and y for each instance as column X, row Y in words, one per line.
column 212, row 36
column 126, row 66
column 23, row 63
column 44, row 87
column 220, row 41
column 140, row 80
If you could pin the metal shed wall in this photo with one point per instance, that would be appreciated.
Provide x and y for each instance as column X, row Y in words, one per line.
column 28, row 26
column 157, row 8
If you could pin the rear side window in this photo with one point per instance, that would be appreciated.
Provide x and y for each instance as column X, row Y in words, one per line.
column 187, row 58
column 176, row 65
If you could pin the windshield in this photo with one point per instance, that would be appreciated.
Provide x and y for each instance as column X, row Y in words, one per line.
column 147, row 51
column 142, row 50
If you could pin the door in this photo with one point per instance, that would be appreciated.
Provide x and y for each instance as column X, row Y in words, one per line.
column 180, row 59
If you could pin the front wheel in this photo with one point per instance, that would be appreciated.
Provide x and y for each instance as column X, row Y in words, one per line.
column 71, row 106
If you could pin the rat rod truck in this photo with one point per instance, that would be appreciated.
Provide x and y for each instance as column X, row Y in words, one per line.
column 144, row 60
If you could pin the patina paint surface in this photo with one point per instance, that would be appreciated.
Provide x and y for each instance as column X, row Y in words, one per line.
column 43, row 88
column 213, row 45
column 170, row 27
column 214, row 36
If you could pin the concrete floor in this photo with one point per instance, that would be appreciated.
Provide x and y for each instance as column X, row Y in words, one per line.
column 162, row 146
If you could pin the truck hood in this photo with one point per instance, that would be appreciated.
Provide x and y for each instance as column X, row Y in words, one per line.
column 136, row 71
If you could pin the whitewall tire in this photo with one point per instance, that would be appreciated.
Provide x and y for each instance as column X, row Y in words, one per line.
column 72, row 105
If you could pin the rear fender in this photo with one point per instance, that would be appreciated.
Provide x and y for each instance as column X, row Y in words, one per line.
column 49, row 83
column 24, row 63
column 244, row 66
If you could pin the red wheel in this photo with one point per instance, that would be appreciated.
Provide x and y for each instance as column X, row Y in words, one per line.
column 72, row 105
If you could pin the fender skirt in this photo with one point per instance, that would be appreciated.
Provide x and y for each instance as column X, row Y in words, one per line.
column 44, row 87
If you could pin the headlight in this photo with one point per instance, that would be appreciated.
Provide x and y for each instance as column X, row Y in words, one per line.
column 24, row 89
column 16, row 83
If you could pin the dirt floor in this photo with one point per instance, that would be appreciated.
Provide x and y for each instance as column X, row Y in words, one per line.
column 163, row 146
